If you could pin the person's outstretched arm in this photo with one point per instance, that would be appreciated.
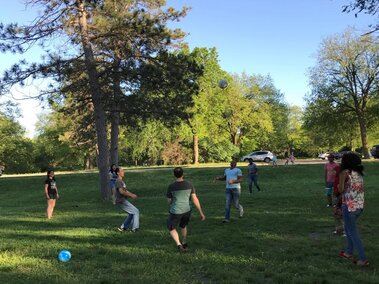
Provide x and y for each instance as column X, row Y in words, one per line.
column 196, row 202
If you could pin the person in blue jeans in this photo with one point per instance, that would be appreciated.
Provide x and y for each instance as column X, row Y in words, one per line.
column 351, row 188
column 233, row 178
column 253, row 176
column 122, row 195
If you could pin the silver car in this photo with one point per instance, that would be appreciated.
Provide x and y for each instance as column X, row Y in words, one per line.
column 260, row 156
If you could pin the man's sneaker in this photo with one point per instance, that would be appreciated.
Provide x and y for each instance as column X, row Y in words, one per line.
column 134, row 230
column 121, row 229
column 181, row 249
column 225, row 221
column 241, row 211
column 329, row 205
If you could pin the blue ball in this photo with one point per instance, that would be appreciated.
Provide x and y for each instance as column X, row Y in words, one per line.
column 64, row 255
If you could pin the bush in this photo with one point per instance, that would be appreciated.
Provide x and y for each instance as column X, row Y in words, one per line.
column 175, row 154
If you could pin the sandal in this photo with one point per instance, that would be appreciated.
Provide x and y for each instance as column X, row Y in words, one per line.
column 362, row 263
column 344, row 255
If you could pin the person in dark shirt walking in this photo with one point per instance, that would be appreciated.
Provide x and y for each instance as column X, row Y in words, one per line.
column 179, row 194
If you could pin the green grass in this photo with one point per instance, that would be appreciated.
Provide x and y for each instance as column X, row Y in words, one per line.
column 284, row 236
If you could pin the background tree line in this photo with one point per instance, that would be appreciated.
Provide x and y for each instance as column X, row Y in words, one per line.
column 125, row 89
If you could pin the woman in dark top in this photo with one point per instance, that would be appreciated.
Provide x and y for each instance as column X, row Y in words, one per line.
column 51, row 193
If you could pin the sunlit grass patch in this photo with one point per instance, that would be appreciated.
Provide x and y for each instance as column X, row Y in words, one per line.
column 285, row 235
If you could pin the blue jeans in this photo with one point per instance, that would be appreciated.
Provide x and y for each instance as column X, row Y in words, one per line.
column 352, row 236
column 232, row 195
column 253, row 179
column 132, row 220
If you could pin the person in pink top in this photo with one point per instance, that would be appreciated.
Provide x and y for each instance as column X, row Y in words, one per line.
column 331, row 171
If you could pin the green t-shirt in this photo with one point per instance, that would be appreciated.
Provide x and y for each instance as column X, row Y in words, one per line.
column 180, row 193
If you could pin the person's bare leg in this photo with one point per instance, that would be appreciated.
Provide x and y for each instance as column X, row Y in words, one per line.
column 50, row 208
column 174, row 234
column 184, row 235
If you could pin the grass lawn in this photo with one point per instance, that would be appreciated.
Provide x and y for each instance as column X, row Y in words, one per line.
column 285, row 235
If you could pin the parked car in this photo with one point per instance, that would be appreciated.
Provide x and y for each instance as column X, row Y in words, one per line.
column 323, row 156
column 339, row 155
column 260, row 156
column 375, row 151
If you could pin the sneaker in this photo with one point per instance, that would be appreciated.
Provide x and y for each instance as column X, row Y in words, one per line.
column 134, row 230
column 362, row 263
column 241, row 211
column 329, row 205
column 185, row 246
column 121, row 229
column 181, row 249
column 225, row 221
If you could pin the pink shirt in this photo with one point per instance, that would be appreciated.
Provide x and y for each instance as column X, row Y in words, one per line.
column 331, row 170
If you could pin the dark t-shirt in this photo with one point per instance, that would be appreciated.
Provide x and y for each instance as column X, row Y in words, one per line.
column 118, row 185
column 252, row 169
column 51, row 186
column 180, row 193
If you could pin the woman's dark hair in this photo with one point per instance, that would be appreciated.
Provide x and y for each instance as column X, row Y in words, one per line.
column 48, row 174
column 117, row 170
column 352, row 162
column 111, row 169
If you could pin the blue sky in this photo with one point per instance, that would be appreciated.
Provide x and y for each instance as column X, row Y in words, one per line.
column 274, row 37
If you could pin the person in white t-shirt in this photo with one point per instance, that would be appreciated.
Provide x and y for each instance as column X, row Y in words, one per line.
column 233, row 178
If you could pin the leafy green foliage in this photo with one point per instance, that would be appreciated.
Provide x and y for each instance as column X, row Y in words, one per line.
column 54, row 148
column 16, row 151
column 346, row 76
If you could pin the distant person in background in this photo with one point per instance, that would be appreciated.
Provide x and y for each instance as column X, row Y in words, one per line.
column 292, row 159
column 51, row 193
column 179, row 195
column 331, row 170
column 337, row 204
column 286, row 157
column 122, row 195
column 253, row 176
column 351, row 188
column 233, row 178
column 112, row 182
column 274, row 160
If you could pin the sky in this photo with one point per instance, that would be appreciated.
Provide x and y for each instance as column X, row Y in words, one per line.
column 271, row 37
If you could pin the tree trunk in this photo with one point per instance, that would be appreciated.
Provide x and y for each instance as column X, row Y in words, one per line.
column 233, row 136
column 195, row 149
column 363, row 130
column 87, row 162
column 115, row 122
column 96, row 95
column 115, row 115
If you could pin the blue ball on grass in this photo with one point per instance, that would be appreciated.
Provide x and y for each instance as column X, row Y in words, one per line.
column 64, row 256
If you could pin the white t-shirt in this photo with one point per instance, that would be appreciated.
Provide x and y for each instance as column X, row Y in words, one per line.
column 232, row 174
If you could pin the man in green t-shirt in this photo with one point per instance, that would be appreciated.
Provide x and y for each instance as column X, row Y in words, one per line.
column 179, row 194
